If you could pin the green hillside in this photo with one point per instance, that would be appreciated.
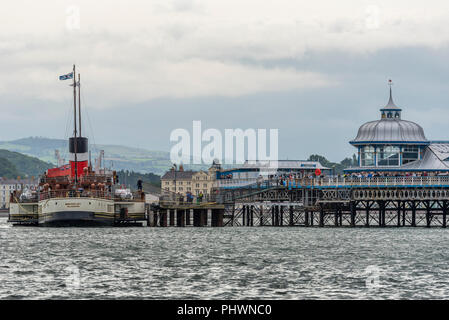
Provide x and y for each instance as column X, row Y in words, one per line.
column 7, row 169
column 16, row 164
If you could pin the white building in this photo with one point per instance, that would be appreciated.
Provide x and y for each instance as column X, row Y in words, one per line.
column 8, row 186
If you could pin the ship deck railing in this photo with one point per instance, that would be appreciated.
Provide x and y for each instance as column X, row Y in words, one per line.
column 91, row 178
column 97, row 194
column 336, row 182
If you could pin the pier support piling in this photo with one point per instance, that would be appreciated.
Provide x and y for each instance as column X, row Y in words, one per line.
column 163, row 217
column 188, row 217
column 172, row 217
column 180, row 218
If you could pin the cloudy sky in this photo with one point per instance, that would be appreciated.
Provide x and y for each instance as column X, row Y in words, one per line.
column 315, row 70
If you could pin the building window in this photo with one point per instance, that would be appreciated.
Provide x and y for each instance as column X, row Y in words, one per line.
column 205, row 185
column 367, row 156
column 388, row 156
column 197, row 185
column 409, row 154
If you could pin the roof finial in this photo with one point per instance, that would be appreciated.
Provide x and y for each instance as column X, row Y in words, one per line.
column 390, row 83
column 390, row 103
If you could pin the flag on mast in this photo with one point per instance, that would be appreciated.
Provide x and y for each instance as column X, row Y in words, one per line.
column 66, row 76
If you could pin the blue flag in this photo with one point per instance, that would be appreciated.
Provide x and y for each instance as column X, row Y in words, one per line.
column 66, row 76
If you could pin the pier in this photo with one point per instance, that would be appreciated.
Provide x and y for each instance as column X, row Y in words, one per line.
column 320, row 202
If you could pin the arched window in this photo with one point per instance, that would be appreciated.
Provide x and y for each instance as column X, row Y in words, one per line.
column 389, row 115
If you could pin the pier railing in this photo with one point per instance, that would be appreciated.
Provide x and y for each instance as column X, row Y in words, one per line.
column 406, row 181
column 171, row 198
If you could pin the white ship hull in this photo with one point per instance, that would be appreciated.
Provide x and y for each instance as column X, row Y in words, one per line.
column 66, row 212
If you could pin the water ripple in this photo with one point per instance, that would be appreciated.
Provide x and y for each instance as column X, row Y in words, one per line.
column 223, row 263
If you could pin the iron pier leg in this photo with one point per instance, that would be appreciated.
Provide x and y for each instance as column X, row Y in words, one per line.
column 403, row 213
column 281, row 213
column 413, row 214
column 163, row 214
column 155, row 216
column 321, row 223
column 367, row 214
column 204, row 219
column 428, row 214
column 399, row 213
column 291, row 216
column 172, row 217
column 340, row 215
column 251, row 216
column 336, row 215
column 196, row 217
column 217, row 217
column 276, row 215
column 444, row 213
column 306, row 218
column 352, row 208
column 180, row 218
column 188, row 217
column 220, row 215
column 380, row 213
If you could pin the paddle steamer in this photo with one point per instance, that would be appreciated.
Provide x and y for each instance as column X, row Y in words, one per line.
column 75, row 194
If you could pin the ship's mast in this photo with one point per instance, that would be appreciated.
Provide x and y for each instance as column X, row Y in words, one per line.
column 74, row 127
column 79, row 102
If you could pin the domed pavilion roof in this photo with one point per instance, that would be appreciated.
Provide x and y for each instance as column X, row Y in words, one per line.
column 390, row 129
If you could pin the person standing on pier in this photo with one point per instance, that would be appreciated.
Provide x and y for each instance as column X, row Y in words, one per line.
column 139, row 185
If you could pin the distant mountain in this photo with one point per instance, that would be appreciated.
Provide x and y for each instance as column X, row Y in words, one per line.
column 117, row 156
column 13, row 164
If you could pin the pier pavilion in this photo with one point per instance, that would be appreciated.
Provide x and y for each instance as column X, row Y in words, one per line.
column 394, row 144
